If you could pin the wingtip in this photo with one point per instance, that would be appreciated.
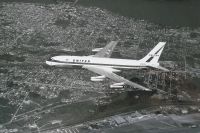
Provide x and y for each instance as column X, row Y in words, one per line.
column 163, row 68
column 162, row 43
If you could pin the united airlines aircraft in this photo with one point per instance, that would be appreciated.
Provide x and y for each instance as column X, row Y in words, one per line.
column 102, row 64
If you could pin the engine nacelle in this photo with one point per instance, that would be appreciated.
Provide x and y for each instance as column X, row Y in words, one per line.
column 117, row 85
column 98, row 78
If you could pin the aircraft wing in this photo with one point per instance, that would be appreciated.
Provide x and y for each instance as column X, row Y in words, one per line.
column 108, row 72
column 107, row 50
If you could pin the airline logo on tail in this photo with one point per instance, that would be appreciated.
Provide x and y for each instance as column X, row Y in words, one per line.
column 154, row 55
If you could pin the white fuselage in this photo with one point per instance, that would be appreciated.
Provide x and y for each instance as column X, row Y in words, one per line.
column 96, row 61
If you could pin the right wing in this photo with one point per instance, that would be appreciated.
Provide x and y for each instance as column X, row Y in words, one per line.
column 108, row 72
column 107, row 50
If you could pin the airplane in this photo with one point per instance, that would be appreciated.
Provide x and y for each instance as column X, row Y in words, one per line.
column 102, row 64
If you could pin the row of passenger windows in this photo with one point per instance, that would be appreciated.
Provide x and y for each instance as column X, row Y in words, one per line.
column 76, row 60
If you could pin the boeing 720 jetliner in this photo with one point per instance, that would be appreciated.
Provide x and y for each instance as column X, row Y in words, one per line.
column 102, row 64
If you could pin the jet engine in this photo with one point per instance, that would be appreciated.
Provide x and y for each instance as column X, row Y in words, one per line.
column 117, row 85
column 98, row 78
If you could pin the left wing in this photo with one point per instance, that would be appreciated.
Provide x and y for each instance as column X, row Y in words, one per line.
column 108, row 72
column 106, row 51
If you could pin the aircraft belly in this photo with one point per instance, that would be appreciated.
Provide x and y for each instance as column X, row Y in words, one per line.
column 131, row 67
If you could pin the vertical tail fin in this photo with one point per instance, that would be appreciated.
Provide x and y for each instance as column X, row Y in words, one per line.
column 154, row 55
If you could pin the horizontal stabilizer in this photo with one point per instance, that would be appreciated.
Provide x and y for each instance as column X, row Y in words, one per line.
column 159, row 67
column 162, row 68
column 97, row 49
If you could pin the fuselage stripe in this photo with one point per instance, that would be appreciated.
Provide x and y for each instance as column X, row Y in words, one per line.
column 82, row 63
